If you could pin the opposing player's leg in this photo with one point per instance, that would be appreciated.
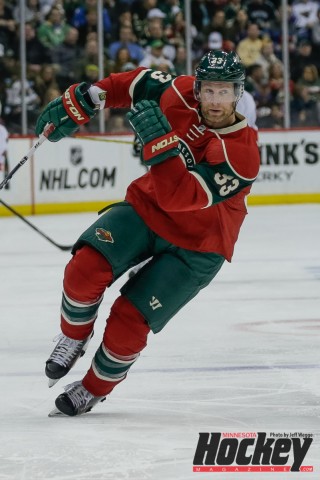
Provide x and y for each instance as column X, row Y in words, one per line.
column 107, row 249
column 148, row 301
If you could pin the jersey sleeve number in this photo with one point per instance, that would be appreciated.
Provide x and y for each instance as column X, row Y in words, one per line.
column 227, row 182
column 161, row 76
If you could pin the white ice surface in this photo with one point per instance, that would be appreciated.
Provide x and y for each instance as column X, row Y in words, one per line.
column 243, row 356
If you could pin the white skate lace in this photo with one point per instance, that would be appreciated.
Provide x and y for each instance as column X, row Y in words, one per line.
column 66, row 349
column 79, row 396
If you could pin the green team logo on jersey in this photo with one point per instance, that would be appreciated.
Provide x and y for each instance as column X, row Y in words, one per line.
column 104, row 235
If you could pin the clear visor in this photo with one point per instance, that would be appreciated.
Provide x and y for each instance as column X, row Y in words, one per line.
column 218, row 92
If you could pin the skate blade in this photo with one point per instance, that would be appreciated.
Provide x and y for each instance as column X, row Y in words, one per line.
column 56, row 413
column 52, row 382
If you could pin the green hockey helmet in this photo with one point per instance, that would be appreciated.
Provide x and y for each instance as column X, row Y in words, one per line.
column 220, row 66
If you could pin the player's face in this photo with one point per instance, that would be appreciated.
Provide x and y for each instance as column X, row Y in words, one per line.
column 217, row 103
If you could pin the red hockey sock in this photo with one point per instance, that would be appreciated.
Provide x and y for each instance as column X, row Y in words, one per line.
column 86, row 277
column 124, row 338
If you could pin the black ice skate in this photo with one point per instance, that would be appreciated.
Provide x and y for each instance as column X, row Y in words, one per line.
column 75, row 401
column 64, row 356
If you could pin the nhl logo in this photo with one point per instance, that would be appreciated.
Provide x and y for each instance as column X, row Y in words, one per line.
column 76, row 155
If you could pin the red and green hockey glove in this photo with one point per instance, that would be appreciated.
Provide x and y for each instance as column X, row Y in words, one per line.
column 67, row 112
column 154, row 131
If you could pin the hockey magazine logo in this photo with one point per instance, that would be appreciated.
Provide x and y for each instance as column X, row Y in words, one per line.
column 252, row 452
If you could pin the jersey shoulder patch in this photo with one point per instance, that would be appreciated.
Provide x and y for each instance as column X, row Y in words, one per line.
column 151, row 85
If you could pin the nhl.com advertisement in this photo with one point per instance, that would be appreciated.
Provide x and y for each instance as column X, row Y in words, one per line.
column 275, row 452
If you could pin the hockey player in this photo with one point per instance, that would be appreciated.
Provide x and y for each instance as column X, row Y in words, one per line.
column 246, row 107
column 185, row 212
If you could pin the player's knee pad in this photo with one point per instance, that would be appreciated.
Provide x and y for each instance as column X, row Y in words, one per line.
column 87, row 275
column 126, row 331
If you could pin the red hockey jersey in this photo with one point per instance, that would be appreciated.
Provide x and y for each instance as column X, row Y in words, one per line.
column 195, row 200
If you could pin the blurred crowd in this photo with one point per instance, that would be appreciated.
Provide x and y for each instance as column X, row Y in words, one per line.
column 62, row 48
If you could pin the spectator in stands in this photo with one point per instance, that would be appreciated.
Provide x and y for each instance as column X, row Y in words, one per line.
column 122, row 60
column 267, row 58
column 276, row 82
column 155, row 31
column 154, row 57
column 90, row 56
column 117, row 124
column 215, row 41
column 127, row 40
column 170, row 8
column 254, row 78
column 33, row 13
column 271, row 117
column 14, row 105
column 238, row 28
column 54, row 30
column 231, row 10
column 155, row 13
column 306, row 16
column 139, row 10
column 217, row 24
column 201, row 13
column 303, row 109
column 91, row 74
column 64, row 57
column 302, row 56
column 36, row 53
column 70, row 7
column 180, row 61
column 44, row 81
column 9, row 67
column 163, row 20
column 85, row 20
column 310, row 80
column 46, row 5
column 124, row 20
column 315, row 31
column 175, row 31
column 249, row 48
column 7, row 27
column 264, row 99
column 51, row 94
column 79, row 19
column 119, row 11
column 155, row 21
column 263, row 13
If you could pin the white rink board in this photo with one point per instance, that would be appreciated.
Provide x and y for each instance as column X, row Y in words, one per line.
column 290, row 163
column 72, row 170
column 84, row 170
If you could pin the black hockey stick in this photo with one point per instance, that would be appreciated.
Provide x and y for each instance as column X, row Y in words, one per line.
column 44, row 135
column 12, row 210
column 6, row 168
